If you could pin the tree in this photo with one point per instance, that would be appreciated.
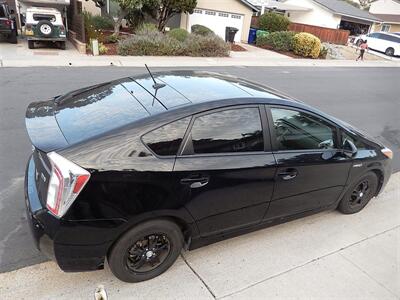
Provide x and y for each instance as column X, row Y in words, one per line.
column 137, row 8
column 166, row 9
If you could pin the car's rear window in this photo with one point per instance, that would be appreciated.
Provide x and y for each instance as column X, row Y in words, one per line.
column 44, row 17
column 97, row 111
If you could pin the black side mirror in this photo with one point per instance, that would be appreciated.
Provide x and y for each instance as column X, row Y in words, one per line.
column 349, row 149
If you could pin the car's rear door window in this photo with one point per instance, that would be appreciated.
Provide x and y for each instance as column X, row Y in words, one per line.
column 298, row 130
column 44, row 17
column 228, row 131
column 166, row 140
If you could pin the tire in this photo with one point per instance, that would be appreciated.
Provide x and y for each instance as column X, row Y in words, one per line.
column 31, row 44
column 45, row 28
column 12, row 38
column 359, row 194
column 389, row 51
column 62, row 45
column 358, row 43
column 132, row 259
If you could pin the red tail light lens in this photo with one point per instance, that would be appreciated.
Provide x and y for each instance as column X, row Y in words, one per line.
column 66, row 182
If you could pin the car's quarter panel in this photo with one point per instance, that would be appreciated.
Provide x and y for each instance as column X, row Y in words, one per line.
column 237, row 194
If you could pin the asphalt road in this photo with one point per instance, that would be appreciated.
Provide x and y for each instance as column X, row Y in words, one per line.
column 368, row 98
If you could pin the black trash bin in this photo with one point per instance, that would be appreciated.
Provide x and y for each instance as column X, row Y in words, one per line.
column 230, row 33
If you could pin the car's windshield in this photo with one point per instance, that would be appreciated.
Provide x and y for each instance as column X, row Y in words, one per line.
column 43, row 17
column 2, row 12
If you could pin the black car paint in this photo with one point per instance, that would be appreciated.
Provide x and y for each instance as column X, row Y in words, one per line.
column 130, row 184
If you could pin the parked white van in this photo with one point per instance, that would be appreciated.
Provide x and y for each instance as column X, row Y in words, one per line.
column 382, row 41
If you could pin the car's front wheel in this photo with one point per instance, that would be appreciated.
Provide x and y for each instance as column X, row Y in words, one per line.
column 359, row 194
column 146, row 251
column 389, row 52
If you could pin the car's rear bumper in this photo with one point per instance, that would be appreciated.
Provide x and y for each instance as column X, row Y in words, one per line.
column 69, row 243
column 53, row 39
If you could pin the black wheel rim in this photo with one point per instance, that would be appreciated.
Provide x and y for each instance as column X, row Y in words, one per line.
column 148, row 253
column 360, row 194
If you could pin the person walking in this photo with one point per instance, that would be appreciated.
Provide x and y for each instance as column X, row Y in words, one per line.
column 363, row 47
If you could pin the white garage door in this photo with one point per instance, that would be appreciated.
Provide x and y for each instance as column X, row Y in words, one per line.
column 217, row 21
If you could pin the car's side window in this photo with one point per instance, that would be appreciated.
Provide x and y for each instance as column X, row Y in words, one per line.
column 166, row 140
column 356, row 141
column 228, row 131
column 297, row 130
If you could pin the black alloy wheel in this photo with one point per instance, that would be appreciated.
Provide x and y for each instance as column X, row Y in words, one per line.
column 359, row 194
column 389, row 52
column 146, row 251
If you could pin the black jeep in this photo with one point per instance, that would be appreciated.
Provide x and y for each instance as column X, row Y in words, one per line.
column 8, row 24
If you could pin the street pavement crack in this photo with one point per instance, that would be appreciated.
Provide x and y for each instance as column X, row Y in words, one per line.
column 309, row 262
column 199, row 277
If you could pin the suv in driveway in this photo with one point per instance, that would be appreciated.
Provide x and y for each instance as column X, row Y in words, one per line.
column 385, row 42
column 8, row 25
column 45, row 24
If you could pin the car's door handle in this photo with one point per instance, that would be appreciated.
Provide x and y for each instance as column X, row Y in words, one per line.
column 195, row 182
column 288, row 174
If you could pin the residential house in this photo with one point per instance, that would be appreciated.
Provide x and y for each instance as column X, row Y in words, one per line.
column 335, row 14
column 389, row 12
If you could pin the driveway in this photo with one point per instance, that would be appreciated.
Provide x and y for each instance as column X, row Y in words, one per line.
column 328, row 255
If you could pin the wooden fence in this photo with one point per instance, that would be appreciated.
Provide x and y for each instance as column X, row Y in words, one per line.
column 335, row 36
column 76, row 22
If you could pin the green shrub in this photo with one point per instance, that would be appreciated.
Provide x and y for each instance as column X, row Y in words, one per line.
column 279, row 40
column 100, row 22
column 111, row 39
column 153, row 43
column 306, row 45
column 179, row 34
column 146, row 28
column 271, row 22
column 323, row 53
column 206, row 46
column 156, row 43
column 201, row 30
column 90, row 30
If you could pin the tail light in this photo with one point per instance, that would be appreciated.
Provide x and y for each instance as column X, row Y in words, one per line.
column 66, row 182
column 387, row 152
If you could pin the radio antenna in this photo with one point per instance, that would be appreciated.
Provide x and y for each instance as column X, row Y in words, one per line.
column 156, row 85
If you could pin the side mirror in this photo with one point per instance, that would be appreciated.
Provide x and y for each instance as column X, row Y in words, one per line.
column 349, row 149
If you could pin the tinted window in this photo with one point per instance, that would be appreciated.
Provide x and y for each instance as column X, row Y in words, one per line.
column 297, row 130
column 234, row 130
column 43, row 17
column 390, row 38
column 373, row 35
column 2, row 12
column 167, row 139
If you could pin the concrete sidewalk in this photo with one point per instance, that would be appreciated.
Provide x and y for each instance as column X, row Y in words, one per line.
column 20, row 56
column 328, row 255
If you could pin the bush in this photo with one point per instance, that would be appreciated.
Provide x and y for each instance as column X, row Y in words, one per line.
column 280, row 40
column 111, row 39
column 153, row 43
column 146, row 28
column 206, row 46
column 100, row 22
column 156, row 43
column 323, row 53
column 306, row 45
column 201, row 30
column 179, row 34
column 273, row 22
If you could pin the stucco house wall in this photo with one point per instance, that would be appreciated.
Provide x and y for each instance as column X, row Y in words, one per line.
column 231, row 6
column 393, row 27
column 90, row 7
column 389, row 7
column 318, row 16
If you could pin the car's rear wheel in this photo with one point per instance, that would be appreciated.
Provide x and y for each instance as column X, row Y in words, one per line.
column 359, row 194
column 359, row 42
column 31, row 44
column 146, row 251
column 389, row 52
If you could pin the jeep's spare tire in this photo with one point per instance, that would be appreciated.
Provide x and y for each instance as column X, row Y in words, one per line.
column 45, row 28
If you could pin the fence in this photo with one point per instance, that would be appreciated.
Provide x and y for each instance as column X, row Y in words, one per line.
column 335, row 36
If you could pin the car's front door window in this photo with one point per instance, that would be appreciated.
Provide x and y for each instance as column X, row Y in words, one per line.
column 296, row 130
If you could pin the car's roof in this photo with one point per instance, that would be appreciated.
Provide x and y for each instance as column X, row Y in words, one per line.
column 193, row 87
column 49, row 10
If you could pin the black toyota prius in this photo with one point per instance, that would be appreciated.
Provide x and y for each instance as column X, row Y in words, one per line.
column 137, row 169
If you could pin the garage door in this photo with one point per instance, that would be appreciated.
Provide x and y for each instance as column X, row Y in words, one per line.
column 217, row 21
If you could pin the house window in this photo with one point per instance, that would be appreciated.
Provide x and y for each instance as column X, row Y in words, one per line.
column 236, row 16
column 210, row 13
column 198, row 11
column 385, row 28
column 225, row 15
